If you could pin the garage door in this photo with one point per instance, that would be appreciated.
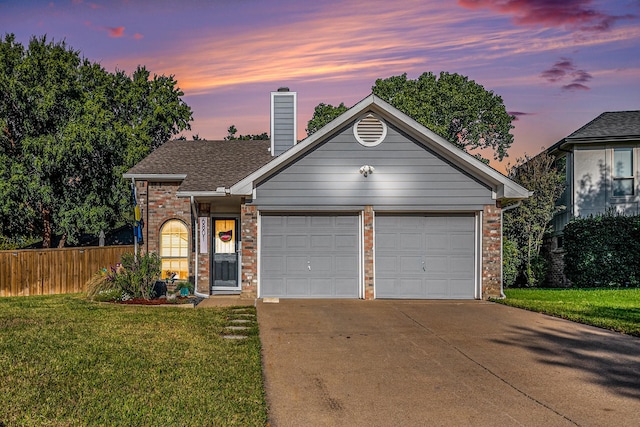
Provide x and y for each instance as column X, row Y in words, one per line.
column 425, row 257
column 309, row 256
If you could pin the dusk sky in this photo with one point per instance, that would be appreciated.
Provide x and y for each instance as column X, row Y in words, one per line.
column 557, row 64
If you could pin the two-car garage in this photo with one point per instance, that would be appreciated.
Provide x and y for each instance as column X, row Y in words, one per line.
column 416, row 256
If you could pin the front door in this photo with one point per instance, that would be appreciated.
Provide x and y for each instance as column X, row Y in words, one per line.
column 225, row 255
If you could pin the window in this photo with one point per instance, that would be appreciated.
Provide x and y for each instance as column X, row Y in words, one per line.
column 622, row 172
column 174, row 249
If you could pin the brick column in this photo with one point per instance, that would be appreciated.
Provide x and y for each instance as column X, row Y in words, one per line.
column 491, row 238
column 249, row 220
column 368, row 253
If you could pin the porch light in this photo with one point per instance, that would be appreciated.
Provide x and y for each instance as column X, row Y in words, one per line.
column 366, row 170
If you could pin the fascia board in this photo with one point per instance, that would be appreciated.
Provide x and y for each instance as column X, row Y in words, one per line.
column 504, row 186
column 155, row 176
column 244, row 187
column 200, row 194
column 483, row 172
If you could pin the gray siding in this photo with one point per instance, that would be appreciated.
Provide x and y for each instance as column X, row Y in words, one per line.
column 283, row 126
column 407, row 177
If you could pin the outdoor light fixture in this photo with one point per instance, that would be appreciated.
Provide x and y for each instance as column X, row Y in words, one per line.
column 366, row 170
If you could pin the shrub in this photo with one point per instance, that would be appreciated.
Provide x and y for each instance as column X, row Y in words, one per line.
column 603, row 251
column 510, row 262
column 139, row 274
column 102, row 281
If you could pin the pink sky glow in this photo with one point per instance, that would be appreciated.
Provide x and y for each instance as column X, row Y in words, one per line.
column 557, row 65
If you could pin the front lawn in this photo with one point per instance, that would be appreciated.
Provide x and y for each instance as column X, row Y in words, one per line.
column 65, row 361
column 614, row 309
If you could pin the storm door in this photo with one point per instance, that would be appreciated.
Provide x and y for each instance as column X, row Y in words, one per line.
column 225, row 254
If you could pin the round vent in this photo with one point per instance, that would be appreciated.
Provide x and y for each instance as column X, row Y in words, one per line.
column 370, row 131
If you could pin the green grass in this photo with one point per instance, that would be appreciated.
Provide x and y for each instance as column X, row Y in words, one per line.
column 614, row 309
column 65, row 361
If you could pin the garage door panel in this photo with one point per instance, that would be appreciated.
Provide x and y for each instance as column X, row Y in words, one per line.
column 411, row 264
column 294, row 264
column 320, row 256
column 296, row 242
column 322, row 241
column 433, row 256
column 411, row 241
column 346, row 264
column 272, row 242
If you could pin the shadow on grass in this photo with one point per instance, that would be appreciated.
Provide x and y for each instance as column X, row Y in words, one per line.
column 608, row 359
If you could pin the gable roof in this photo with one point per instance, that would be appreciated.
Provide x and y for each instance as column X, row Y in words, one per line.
column 202, row 166
column 504, row 188
column 611, row 126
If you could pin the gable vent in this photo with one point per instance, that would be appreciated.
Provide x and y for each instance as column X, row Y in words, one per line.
column 370, row 131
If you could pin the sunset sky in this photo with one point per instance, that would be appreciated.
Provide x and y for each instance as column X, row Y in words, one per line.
column 556, row 64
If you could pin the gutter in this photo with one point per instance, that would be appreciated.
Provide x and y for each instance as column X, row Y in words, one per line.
column 502, row 211
column 195, row 263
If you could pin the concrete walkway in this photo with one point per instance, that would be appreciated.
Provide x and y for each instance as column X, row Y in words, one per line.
column 426, row 363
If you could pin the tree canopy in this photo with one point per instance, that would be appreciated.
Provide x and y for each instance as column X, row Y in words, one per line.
column 323, row 114
column 231, row 135
column 456, row 108
column 68, row 131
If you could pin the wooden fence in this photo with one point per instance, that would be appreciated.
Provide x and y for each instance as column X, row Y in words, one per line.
column 54, row 271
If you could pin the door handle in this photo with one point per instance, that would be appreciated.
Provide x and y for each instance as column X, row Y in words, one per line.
column 423, row 267
column 309, row 265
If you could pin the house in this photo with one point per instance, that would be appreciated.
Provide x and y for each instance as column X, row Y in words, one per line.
column 373, row 205
column 601, row 162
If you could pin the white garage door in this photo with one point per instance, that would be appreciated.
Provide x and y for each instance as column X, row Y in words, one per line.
column 309, row 256
column 425, row 257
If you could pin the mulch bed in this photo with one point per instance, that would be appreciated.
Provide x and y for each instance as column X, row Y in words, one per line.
column 157, row 301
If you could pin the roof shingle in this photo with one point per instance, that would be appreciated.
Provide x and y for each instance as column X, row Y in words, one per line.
column 207, row 164
column 610, row 124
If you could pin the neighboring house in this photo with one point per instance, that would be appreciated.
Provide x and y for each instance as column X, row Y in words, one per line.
column 602, row 171
column 601, row 161
column 374, row 205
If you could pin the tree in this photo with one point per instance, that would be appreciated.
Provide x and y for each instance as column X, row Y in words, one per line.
column 527, row 224
column 68, row 130
column 451, row 105
column 231, row 136
column 231, row 133
column 323, row 114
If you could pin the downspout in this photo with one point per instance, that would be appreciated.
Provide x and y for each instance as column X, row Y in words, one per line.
column 197, row 254
column 502, row 211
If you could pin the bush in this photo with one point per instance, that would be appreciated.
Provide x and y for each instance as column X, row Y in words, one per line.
column 132, row 278
column 101, row 282
column 139, row 274
column 603, row 251
column 510, row 262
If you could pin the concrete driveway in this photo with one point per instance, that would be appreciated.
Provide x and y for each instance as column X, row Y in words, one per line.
column 445, row 363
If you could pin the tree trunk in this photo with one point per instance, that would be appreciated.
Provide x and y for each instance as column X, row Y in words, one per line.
column 46, row 228
column 63, row 240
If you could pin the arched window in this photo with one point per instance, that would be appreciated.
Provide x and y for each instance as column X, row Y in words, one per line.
column 174, row 249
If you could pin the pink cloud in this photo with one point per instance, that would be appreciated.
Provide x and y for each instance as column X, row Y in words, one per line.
column 565, row 68
column 575, row 86
column 571, row 14
column 138, row 36
column 115, row 31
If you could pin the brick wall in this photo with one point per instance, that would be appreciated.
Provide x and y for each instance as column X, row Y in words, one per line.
column 249, row 225
column 161, row 205
column 491, row 256
column 368, row 253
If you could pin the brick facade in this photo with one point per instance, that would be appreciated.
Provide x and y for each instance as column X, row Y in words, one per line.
column 368, row 253
column 159, row 204
column 491, row 256
column 249, row 226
